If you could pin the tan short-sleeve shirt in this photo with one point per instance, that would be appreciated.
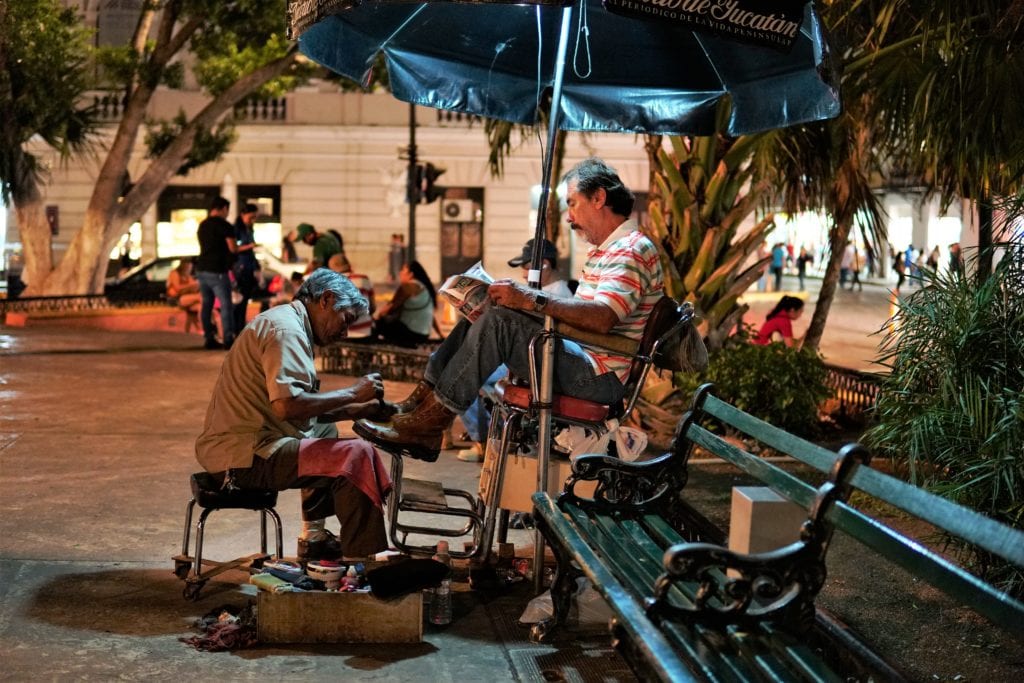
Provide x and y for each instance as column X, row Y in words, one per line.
column 271, row 359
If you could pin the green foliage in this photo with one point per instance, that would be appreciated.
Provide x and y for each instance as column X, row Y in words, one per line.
column 952, row 408
column 209, row 145
column 44, row 70
column 781, row 385
column 707, row 193
column 218, row 72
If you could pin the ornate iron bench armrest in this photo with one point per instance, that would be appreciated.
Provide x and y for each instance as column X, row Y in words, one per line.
column 633, row 486
column 725, row 587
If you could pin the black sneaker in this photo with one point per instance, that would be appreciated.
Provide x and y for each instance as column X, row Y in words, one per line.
column 212, row 345
column 326, row 549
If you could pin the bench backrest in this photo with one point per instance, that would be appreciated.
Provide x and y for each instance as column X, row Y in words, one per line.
column 986, row 533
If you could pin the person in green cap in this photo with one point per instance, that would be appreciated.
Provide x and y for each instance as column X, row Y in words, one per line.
column 325, row 245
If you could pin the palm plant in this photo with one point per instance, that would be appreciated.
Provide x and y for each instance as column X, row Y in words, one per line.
column 705, row 193
column 950, row 100
column 952, row 408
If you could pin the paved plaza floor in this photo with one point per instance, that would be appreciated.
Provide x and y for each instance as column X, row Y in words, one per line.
column 96, row 448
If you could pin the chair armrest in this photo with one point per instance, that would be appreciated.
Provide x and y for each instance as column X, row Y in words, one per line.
column 611, row 342
column 722, row 587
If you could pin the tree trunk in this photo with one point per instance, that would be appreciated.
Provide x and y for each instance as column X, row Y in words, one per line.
column 83, row 268
column 985, row 232
column 838, row 237
column 35, row 238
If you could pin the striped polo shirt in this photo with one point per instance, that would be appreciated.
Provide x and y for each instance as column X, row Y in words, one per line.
column 624, row 273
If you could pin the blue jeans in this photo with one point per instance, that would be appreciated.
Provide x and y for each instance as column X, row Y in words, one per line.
column 469, row 355
column 216, row 285
column 477, row 418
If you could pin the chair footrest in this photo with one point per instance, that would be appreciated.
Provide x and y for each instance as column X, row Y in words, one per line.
column 423, row 491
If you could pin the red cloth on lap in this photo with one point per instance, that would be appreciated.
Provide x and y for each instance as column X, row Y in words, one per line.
column 354, row 459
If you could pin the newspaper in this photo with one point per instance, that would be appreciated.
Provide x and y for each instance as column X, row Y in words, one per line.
column 467, row 292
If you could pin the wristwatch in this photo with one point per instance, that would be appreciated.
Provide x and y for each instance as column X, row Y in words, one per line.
column 540, row 300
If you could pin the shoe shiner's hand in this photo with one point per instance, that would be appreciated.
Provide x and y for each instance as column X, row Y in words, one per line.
column 368, row 388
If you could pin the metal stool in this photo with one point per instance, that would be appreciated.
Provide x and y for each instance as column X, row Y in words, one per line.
column 211, row 495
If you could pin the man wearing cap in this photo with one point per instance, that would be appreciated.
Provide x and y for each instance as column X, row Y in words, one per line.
column 325, row 245
column 477, row 417
column 621, row 282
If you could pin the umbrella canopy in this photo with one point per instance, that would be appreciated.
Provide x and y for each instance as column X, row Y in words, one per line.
column 622, row 73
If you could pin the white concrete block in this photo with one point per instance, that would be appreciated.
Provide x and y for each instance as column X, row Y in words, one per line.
column 762, row 520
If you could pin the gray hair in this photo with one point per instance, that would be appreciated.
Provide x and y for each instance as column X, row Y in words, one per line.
column 592, row 174
column 346, row 294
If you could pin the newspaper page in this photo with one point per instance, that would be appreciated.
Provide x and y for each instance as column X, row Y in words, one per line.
column 467, row 292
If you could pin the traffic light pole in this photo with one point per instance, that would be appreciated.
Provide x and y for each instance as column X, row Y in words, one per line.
column 412, row 186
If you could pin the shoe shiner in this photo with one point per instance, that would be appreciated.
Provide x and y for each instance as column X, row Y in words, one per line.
column 269, row 426
column 621, row 282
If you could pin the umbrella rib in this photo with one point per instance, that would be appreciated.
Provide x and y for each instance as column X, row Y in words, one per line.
column 714, row 67
column 402, row 26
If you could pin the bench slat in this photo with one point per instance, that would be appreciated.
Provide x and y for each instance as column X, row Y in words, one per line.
column 807, row 661
column 760, row 651
column 931, row 567
column 915, row 558
column 980, row 530
column 785, row 483
column 770, row 435
column 656, row 649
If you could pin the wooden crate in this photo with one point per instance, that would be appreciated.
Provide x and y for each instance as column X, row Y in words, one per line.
column 328, row 617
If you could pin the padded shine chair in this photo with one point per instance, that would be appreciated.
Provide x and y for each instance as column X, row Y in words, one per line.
column 514, row 417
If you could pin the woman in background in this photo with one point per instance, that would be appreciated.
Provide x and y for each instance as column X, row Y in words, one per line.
column 183, row 291
column 407, row 319
column 778, row 324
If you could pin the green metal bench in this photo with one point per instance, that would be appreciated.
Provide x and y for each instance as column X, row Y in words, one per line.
column 688, row 609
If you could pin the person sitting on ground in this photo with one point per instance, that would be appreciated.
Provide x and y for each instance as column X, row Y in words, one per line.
column 363, row 327
column 621, row 282
column 778, row 324
column 407, row 319
column 477, row 417
column 269, row 426
column 324, row 245
column 183, row 292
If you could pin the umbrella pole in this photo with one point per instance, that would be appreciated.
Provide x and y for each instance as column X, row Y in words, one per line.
column 548, row 346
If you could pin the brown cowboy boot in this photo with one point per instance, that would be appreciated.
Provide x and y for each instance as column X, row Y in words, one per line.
column 416, row 434
column 410, row 402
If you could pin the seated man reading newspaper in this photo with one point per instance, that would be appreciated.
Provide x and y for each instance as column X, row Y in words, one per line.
column 621, row 282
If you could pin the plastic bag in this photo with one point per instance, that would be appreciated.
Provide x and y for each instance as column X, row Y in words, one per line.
column 588, row 607
column 630, row 443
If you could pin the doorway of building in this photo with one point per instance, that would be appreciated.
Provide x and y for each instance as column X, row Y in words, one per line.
column 462, row 229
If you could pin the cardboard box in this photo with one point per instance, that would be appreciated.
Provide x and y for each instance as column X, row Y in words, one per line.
column 520, row 482
column 329, row 617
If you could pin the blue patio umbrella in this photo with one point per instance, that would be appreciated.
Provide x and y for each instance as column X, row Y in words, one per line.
column 637, row 66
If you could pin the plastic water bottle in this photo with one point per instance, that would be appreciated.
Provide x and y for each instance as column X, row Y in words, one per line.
column 441, row 605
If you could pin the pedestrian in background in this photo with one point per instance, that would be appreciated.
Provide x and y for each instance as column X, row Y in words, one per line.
column 246, row 266
column 325, row 245
column 407, row 319
column 217, row 248
column 802, row 261
column 956, row 259
column 778, row 262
